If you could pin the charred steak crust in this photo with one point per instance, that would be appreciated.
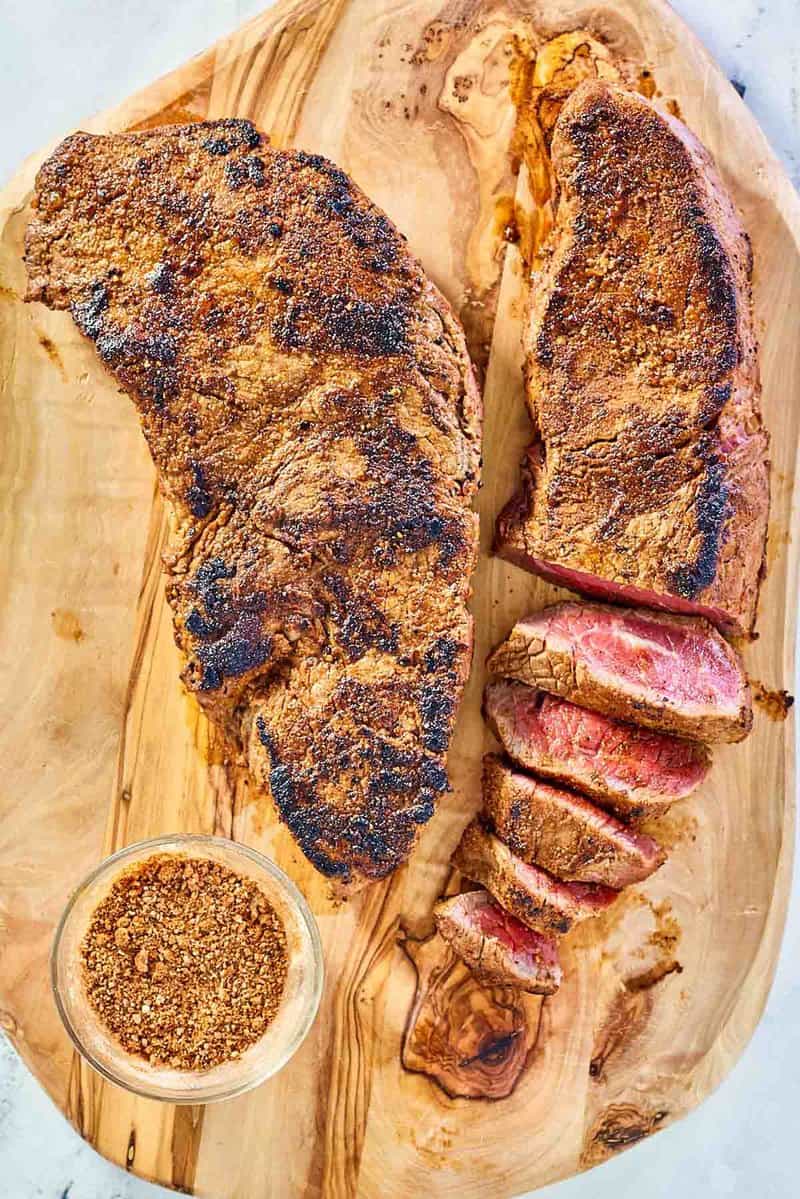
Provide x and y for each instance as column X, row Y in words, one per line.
column 311, row 410
column 531, row 895
column 649, row 481
column 562, row 832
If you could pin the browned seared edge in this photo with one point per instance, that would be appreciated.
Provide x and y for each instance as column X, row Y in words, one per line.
column 312, row 413
column 649, row 479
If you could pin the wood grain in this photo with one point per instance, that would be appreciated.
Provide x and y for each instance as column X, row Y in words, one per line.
column 474, row 1040
column 101, row 747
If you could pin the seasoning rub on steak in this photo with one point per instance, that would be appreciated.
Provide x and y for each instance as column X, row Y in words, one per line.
column 635, row 772
column 649, row 479
column 562, row 832
column 311, row 410
column 673, row 673
column 528, row 893
column 499, row 949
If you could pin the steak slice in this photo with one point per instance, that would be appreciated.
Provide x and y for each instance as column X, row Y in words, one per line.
column 649, row 480
column 314, row 420
column 564, row 833
column 636, row 772
column 528, row 893
column 674, row 673
column 499, row 950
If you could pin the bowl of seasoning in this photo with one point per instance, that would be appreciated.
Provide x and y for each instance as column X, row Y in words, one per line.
column 187, row 968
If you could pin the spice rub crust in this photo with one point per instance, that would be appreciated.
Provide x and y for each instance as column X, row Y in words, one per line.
column 311, row 410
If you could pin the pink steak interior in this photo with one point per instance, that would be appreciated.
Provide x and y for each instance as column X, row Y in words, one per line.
column 565, row 895
column 523, row 942
column 635, row 757
column 586, row 584
column 676, row 660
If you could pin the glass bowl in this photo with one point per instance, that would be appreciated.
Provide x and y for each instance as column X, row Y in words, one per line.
column 299, row 1003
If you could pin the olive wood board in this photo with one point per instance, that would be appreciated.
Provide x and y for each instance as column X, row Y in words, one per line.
column 414, row 1078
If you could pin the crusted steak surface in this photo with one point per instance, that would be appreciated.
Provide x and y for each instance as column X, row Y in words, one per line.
column 311, row 410
column 648, row 481
column 562, row 832
column 531, row 895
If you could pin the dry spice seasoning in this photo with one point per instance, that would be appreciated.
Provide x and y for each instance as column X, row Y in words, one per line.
column 185, row 962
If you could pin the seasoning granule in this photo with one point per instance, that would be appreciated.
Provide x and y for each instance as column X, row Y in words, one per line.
column 185, row 962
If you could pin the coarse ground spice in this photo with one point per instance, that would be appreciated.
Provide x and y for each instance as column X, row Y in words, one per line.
column 185, row 962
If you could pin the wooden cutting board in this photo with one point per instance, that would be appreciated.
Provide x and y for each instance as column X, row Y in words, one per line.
column 100, row 747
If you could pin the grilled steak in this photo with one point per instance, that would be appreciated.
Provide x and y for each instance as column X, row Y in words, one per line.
column 649, row 480
column 311, row 410
column 563, row 833
column 674, row 673
column 499, row 950
column 636, row 772
column 528, row 893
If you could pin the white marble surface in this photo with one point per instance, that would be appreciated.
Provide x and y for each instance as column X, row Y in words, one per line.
column 61, row 60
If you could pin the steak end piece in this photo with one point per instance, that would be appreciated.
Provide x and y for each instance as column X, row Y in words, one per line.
column 672, row 673
column 535, row 898
column 564, row 833
column 499, row 950
column 649, row 480
column 636, row 772
column 314, row 420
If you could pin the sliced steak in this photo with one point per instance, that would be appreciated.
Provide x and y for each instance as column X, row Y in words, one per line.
column 563, row 833
column 649, row 480
column 673, row 673
column 636, row 772
column 312, row 413
column 528, row 893
column 500, row 950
